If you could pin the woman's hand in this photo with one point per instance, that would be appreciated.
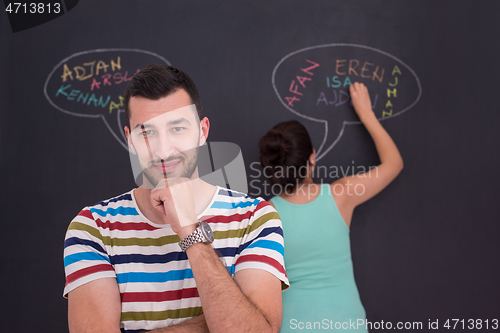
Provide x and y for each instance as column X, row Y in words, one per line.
column 375, row 180
column 361, row 100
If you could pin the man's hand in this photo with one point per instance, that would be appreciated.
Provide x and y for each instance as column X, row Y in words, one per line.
column 174, row 199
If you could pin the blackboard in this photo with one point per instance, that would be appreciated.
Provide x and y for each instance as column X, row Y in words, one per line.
column 424, row 249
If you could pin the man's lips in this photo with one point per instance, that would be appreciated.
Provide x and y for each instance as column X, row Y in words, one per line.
column 167, row 166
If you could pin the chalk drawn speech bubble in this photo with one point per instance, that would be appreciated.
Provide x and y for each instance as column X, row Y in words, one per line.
column 91, row 84
column 313, row 83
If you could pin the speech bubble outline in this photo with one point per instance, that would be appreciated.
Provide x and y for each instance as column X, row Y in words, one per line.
column 102, row 116
column 319, row 153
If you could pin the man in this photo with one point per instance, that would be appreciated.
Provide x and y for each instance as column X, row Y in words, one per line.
column 144, row 261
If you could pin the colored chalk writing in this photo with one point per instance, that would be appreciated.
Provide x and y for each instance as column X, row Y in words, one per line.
column 391, row 92
column 313, row 83
column 93, row 70
column 302, row 81
column 91, row 84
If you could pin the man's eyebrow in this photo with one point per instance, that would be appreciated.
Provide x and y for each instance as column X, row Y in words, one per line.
column 142, row 126
column 170, row 123
column 178, row 121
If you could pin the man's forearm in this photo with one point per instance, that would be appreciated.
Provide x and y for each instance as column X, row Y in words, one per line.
column 225, row 307
column 193, row 325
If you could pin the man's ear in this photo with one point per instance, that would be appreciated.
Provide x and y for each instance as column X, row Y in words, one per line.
column 204, row 129
column 129, row 140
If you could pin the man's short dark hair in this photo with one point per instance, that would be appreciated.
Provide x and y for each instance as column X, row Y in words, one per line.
column 157, row 81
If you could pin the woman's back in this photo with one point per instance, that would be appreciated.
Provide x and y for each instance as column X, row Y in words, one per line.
column 318, row 264
column 323, row 293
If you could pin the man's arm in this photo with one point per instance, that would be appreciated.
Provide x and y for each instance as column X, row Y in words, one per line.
column 95, row 307
column 253, row 307
column 193, row 325
column 250, row 303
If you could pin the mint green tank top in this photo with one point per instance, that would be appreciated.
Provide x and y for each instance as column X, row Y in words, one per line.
column 323, row 293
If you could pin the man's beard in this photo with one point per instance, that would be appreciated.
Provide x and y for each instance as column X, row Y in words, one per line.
column 189, row 164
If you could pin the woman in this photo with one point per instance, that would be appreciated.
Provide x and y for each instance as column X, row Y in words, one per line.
column 316, row 220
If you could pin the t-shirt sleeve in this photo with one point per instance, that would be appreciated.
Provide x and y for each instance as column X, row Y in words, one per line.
column 85, row 257
column 263, row 248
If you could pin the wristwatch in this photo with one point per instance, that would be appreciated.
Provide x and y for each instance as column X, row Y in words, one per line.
column 203, row 233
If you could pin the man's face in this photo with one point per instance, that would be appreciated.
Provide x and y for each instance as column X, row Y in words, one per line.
column 166, row 134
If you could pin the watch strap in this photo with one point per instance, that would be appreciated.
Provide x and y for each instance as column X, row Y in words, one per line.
column 193, row 238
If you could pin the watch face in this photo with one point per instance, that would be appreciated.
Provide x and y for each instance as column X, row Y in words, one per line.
column 207, row 231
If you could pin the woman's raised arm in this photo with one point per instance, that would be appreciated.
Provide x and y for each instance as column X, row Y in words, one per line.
column 352, row 191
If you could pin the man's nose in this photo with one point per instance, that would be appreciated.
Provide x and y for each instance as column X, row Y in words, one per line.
column 163, row 148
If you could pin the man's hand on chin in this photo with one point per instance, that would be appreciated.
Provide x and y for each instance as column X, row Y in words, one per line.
column 174, row 199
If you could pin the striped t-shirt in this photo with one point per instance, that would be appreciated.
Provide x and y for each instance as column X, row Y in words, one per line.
column 114, row 239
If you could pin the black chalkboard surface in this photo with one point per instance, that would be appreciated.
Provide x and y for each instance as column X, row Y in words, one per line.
column 425, row 250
